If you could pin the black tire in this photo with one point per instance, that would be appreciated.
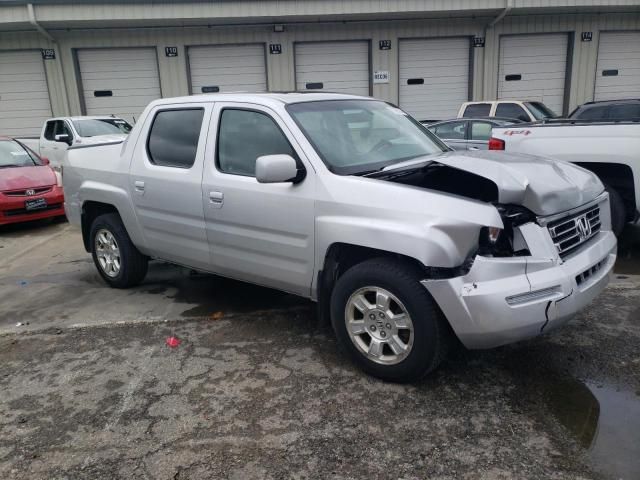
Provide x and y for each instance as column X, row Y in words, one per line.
column 133, row 265
column 618, row 211
column 430, row 330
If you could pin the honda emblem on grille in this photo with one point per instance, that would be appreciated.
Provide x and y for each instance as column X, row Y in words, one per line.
column 30, row 193
column 583, row 226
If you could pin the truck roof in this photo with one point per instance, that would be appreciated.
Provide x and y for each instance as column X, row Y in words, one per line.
column 86, row 117
column 263, row 98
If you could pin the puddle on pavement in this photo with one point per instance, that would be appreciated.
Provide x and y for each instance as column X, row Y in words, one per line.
column 629, row 251
column 603, row 419
column 212, row 294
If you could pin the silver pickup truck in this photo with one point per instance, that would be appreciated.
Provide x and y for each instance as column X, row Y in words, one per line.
column 350, row 202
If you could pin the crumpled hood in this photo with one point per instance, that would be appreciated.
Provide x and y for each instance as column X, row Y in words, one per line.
column 543, row 185
column 19, row 178
column 100, row 139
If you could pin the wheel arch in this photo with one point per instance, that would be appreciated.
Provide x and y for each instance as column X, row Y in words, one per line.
column 90, row 211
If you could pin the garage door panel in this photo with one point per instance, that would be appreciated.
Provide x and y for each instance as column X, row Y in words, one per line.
column 130, row 74
column 228, row 67
column 339, row 66
column 24, row 94
column 618, row 51
column 541, row 60
column 443, row 66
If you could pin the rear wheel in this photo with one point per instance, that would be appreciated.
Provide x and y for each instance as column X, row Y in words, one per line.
column 618, row 211
column 118, row 261
column 387, row 321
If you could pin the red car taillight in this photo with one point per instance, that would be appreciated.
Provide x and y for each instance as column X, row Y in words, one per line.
column 496, row 144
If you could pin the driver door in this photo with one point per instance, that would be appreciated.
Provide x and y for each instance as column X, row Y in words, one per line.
column 260, row 233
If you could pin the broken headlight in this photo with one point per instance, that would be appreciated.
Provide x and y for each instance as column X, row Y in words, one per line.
column 501, row 242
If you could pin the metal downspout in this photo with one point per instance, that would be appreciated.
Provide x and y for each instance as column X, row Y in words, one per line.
column 32, row 20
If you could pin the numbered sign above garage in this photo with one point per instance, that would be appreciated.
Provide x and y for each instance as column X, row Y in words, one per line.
column 24, row 96
column 118, row 81
column 618, row 71
column 227, row 68
column 533, row 67
column 434, row 76
column 341, row 67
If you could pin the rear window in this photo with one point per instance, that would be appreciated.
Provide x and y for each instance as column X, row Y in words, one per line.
column 174, row 135
column 477, row 110
column 625, row 112
column 592, row 113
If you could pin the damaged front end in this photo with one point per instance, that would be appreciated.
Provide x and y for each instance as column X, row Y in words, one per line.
column 519, row 283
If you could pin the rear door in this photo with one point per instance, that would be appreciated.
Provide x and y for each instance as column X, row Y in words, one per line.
column 166, row 183
column 260, row 233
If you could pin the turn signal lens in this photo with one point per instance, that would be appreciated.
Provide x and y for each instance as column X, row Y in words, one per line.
column 496, row 144
column 494, row 234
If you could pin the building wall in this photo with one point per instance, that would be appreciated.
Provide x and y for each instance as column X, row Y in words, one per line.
column 63, row 82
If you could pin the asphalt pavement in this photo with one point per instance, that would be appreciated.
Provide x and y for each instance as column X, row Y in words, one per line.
column 257, row 388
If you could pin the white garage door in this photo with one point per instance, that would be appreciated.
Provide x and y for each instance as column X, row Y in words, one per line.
column 434, row 77
column 118, row 81
column 618, row 72
column 341, row 67
column 24, row 95
column 227, row 68
column 533, row 67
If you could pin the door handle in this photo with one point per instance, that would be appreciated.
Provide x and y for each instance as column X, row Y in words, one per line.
column 216, row 199
column 139, row 186
column 474, row 148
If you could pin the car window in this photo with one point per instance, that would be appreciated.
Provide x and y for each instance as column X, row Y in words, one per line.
column 480, row 131
column 13, row 154
column 49, row 132
column 355, row 137
column 245, row 135
column 451, row 130
column 174, row 135
column 512, row 110
column 477, row 110
column 625, row 112
column 598, row 112
column 540, row 111
column 62, row 129
column 92, row 127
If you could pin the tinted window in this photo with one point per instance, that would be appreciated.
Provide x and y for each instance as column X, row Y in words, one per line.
column 174, row 135
column 540, row 111
column 63, row 129
column 480, row 131
column 592, row 113
column 511, row 110
column 245, row 135
column 49, row 132
column 477, row 110
column 451, row 131
column 625, row 112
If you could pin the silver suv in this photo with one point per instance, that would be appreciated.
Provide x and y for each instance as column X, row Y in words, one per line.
column 352, row 203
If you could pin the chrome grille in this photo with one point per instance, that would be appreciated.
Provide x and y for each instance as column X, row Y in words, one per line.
column 570, row 232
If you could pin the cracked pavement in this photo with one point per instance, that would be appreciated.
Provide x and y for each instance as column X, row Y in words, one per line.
column 258, row 389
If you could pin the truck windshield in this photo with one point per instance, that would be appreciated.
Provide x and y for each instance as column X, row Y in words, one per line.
column 360, row 136
column 12, row 154
column 540, row 110
column 92, row 127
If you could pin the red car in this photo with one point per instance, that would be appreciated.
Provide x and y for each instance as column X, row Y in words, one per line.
column 29, row 188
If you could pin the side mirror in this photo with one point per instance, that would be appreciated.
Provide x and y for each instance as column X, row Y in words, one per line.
column 45, row 160
column 276, row 169
column 64, row 138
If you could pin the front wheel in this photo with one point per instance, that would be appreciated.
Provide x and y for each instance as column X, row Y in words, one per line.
column 387, row 321
column 118, row 261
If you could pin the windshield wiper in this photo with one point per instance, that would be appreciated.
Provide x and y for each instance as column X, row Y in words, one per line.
column 10, row 165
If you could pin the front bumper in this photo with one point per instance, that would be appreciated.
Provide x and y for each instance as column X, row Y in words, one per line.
column 12, row 208
column 504, row 300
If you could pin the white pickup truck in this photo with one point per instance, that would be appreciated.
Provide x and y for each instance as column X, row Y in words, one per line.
column 610, row 150
column 60, row 133
column 350, row 202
